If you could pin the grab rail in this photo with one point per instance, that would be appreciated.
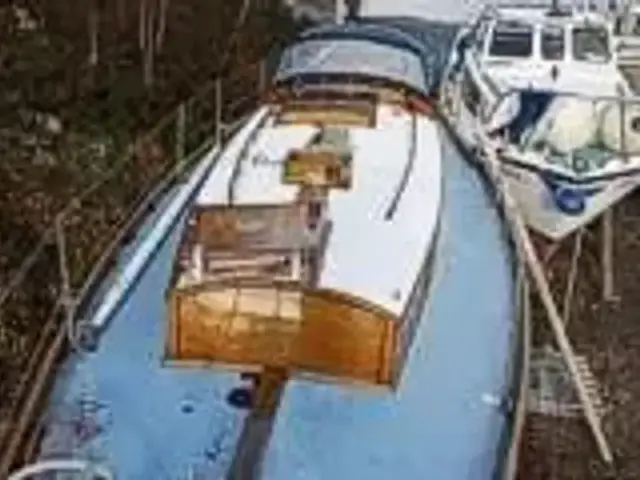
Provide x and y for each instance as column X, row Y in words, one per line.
column 406, row 173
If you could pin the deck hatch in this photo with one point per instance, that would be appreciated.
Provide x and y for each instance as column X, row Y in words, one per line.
column 247, row 243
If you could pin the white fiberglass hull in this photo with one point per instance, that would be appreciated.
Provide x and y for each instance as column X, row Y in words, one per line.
column 532, row 193
column 535, row 200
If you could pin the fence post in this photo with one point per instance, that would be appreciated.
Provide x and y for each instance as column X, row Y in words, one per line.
column 262, row 76
column 81, row 335
column 181, row 127
column 218, row 111
column 608, row 293
column 623, row 117
column 65, row 288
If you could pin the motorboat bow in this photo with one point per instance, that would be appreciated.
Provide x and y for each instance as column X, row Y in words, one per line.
column 542, row 87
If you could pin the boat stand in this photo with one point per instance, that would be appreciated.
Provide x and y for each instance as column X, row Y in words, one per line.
column 528, row 255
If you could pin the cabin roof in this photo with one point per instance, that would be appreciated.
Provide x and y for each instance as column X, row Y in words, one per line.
column 362, row 241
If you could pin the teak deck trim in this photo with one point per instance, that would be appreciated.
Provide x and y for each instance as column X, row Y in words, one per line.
column 410, row 101
column 349, row 113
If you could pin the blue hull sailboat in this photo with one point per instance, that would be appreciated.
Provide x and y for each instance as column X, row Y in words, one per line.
column 329, row 295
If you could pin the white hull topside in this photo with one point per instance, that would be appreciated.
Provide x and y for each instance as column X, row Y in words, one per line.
column 534, row 196
column 367, row 255
column 536, row 203
column 529, row 171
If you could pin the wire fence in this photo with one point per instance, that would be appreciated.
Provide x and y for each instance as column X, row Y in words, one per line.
column 75, row 252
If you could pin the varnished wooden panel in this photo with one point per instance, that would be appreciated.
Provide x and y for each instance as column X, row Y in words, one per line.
column 318, row 169
column 361, row 114
column 230, row 327
column 343, row 340
column 319, row 332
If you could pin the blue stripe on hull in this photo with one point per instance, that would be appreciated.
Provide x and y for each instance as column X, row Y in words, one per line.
column 579, row 180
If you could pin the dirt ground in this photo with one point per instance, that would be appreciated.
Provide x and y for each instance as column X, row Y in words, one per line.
column 57, row 109
column 608, row 334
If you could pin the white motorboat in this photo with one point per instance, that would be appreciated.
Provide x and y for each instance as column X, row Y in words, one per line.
column 542, row 86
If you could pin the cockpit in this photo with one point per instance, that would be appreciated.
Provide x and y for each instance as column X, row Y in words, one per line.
column 550, row 40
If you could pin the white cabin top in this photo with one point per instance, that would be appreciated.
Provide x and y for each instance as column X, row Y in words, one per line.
column 540, row 35
column 368, row 256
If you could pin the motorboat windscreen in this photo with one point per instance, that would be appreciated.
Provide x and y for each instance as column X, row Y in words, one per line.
column 512, row 39
column 552, row 42
column 359, row 50
column 591, row 44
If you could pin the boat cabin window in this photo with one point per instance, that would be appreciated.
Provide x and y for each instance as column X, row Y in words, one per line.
column 591, row 44
column 552, row 42
column 511, row 39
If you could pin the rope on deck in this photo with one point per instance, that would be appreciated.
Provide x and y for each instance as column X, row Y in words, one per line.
column 527, row 250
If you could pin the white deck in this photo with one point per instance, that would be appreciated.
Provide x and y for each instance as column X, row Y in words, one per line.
column 367, row 256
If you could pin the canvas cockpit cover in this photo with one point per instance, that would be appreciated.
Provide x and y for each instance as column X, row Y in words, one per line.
column 370, row 50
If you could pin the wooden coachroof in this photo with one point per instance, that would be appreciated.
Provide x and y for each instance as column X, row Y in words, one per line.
column 343, row 103
column 317, row 332
column 348, row 113
column 245, row 295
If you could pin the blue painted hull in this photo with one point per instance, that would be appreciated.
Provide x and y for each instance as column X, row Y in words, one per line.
column 150, row 421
